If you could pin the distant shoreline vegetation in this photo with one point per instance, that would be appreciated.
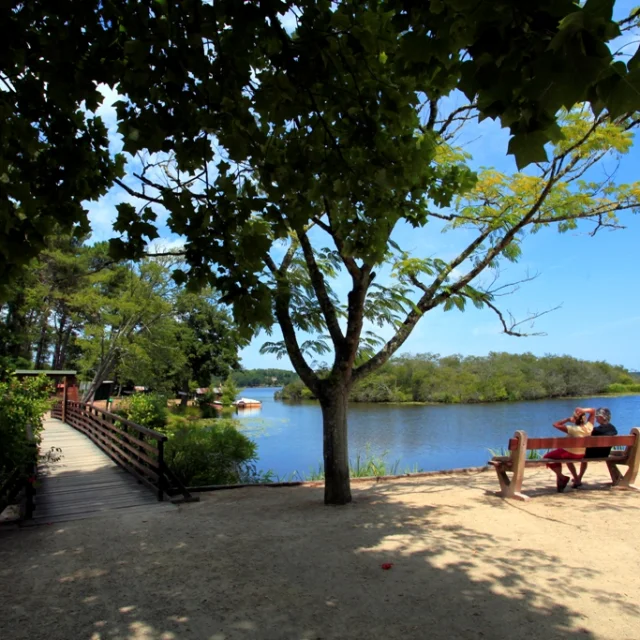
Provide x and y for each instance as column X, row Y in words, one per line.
column 263, row 377
column 498, row 377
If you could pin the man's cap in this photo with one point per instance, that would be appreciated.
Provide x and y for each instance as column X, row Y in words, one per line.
column 603, row 412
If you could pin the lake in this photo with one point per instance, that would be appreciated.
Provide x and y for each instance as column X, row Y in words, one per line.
column 289, row 435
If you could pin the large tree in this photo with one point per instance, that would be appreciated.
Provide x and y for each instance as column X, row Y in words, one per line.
column 325, row 138
column 340, row 128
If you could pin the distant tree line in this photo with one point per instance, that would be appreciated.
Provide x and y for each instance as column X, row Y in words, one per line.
column 263, row 377
column 492, row 378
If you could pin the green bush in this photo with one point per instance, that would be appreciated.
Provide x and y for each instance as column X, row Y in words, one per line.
column 295, row 390
column 214, row 454
column 618, row 387
column 22, row 404
column 148, row 410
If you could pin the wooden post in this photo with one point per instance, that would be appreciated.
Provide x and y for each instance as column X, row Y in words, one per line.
column 511, row 488
column 519, row 457
column 64, row 399
column 161, row 479
column 628, row 480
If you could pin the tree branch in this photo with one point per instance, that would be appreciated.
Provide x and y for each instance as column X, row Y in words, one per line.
column 136, row 194
column 283, row 316
column 429, row 300
column 509, row 329
column 320, row 288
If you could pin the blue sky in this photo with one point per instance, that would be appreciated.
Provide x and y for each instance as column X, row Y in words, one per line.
column 594, row 279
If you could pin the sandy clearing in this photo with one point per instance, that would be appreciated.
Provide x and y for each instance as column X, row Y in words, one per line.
column 277, row 564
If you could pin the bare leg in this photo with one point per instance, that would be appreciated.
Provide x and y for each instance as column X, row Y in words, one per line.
column 561, row 480
column 583, row 468
column 574, row 475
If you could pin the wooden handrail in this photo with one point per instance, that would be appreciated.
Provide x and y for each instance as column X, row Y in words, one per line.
column 137, row 449
column 138, row 427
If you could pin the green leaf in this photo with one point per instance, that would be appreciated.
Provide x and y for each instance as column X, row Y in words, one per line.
column 528, row 148
column 599, row 8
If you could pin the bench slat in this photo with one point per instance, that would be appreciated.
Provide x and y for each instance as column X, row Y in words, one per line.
column 507, row 463
column 574, row 443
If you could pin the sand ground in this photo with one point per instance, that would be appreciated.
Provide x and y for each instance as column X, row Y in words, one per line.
column 277, row 564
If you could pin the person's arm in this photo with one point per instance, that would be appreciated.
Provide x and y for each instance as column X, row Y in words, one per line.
column 561, row 425
column 591, row 414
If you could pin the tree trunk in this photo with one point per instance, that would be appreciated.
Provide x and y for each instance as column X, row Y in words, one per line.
column 100, row 374
column 65, row 346
column 184, row 400
column 43, row 341
column 55, row 363
column 333, row 401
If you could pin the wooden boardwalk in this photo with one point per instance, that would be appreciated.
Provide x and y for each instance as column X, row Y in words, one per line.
column 84, row 482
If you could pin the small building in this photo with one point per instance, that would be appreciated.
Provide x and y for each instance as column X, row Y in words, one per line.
column 61, row 377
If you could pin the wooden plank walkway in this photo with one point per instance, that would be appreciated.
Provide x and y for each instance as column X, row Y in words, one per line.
column 85, row 482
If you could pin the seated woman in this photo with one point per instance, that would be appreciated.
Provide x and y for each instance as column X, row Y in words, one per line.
column 580, row 426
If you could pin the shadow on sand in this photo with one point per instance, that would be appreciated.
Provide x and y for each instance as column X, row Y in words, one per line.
column 276, row 564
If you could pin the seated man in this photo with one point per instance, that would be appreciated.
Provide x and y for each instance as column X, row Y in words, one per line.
column 603, row 428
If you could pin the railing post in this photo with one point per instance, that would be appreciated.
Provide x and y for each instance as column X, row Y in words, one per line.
column 30, row 471
column 161, row 480
column 64, row 399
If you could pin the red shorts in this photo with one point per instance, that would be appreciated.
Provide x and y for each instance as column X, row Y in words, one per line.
column 561, row 454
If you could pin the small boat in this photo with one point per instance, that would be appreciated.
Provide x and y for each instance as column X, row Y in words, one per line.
column 244, row 403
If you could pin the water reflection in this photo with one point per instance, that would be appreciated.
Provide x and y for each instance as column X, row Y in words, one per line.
column 289, row 435
column 247, row 412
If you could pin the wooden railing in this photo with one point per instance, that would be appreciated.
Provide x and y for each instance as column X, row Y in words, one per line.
column 133, row 447
column 56, row 410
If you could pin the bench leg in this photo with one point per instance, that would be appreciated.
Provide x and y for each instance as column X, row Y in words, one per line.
column 504, row 481
column 512, row 488
column 624, row 482
column 628, row 480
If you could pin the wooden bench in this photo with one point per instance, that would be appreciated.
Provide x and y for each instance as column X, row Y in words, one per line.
column 516, row 462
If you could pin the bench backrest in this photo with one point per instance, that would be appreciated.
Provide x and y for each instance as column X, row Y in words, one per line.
column 575, row 443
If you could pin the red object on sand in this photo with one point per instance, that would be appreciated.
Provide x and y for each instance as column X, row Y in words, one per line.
column 387, row 565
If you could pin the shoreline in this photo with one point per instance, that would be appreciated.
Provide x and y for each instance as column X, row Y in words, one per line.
column 416, row 403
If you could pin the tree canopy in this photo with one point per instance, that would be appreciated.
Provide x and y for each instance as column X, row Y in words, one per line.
column 520, row 62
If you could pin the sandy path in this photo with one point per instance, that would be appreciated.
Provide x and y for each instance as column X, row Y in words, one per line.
column 276, row 564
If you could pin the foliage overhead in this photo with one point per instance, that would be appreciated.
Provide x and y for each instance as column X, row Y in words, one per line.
column 517, row 62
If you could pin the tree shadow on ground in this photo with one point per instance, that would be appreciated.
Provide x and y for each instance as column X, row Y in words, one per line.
column 276, row 564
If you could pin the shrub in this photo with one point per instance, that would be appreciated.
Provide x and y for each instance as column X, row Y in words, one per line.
column 295, row 390
column 617, row 387
column 22, row 404
column 229, row 392
column 215, row 454
column 148, row 410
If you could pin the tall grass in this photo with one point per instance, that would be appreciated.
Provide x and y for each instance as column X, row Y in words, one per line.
column 365, row 464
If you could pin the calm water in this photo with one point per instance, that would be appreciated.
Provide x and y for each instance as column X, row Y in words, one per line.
column 289, row 435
